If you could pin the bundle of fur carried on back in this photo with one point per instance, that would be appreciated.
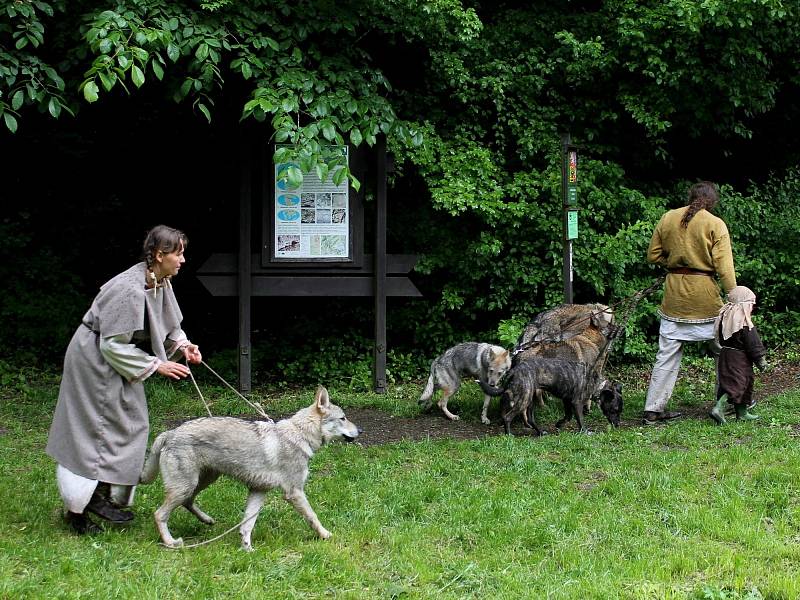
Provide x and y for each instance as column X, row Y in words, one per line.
column 575, row 332
column 566, row 321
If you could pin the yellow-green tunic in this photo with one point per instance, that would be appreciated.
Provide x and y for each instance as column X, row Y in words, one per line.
column 704, row 245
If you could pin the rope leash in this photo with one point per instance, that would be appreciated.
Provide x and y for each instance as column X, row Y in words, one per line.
column 214, row 539
column 252, row 405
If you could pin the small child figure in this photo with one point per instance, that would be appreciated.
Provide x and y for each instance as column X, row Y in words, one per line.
column 741, row 348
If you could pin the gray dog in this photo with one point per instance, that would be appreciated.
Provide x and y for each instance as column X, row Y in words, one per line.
column 261, row 454
column 487, row 363
column 573, row 382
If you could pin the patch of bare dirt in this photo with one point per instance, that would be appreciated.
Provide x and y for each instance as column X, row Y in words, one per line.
column 382, row 428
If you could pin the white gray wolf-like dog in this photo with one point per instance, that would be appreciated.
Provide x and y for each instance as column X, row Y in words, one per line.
column 485, row 362
column 573, row 382
column 261, row 454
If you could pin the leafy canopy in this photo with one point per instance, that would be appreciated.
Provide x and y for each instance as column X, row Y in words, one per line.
column 302, row 63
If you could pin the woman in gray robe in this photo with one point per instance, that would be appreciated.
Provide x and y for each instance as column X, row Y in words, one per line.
column 100, row 427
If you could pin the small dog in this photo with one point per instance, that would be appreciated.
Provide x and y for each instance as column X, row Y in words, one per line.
column 485, row 362
column 573, row 382
column 261, row 454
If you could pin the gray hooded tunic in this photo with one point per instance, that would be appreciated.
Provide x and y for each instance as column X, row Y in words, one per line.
column 100, row 426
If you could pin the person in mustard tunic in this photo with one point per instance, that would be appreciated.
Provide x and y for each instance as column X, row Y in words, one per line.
column 695, row 248
column 100, row 427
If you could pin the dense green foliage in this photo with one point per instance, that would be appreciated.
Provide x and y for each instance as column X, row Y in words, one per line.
column 473, row 98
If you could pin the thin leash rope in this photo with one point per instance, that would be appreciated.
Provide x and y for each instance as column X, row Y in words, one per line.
column 208, row 410
column 254, row 406
column 214, row 539
column 633, row 302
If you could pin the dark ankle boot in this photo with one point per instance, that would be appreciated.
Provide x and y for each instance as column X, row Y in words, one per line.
column 81, row 524
column 105, row 510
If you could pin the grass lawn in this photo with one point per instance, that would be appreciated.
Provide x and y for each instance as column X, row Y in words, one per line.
column 686, row 510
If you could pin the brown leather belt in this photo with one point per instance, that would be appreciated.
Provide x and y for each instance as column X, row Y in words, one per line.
column 688, row 271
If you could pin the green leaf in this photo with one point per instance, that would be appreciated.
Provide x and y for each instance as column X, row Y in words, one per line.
column 247, row 72
column 172, row 24
column 108, row 79
column 21, row 43
column 90, row 91
column 11, row 122
column 322, row 171
column 339, row 176
column 204, row 109
column 355, row 136
column 157, row 69
column 17, row 99
column 202, row 52
column 54, row 107
column 328, row 131
column 173, row 52
column 137, row 76
column 294, row 177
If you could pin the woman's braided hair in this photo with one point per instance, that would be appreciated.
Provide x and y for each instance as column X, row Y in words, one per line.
column 702, row 195
column 164, row 239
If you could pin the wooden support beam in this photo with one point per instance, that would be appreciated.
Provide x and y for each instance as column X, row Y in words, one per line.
column 243, row 279
column 312, row 285
column 380, row 271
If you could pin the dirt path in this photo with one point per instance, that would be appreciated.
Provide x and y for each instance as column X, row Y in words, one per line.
column 383, row 428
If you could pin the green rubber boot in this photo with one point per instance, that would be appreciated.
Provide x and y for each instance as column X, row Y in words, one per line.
column 718, row 412
column 743, row 415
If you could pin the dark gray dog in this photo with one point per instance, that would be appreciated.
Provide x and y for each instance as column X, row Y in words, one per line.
column 571, row 381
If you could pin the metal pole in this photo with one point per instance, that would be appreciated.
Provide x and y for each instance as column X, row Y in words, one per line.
column 567, row 263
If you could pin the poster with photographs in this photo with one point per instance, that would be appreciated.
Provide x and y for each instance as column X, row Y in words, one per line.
column 311, row 221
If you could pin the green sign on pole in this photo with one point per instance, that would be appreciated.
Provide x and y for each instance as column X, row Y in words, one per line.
column 572, row 195
column 572, row 224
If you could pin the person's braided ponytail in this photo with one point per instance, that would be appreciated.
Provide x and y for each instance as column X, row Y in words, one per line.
column 702, row 195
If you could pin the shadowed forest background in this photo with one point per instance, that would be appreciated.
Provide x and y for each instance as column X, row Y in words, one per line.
column 118, row 117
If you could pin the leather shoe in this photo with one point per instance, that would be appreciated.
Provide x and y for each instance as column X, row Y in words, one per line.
column 105, row 510
column 81, row 524
column 651, row 418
